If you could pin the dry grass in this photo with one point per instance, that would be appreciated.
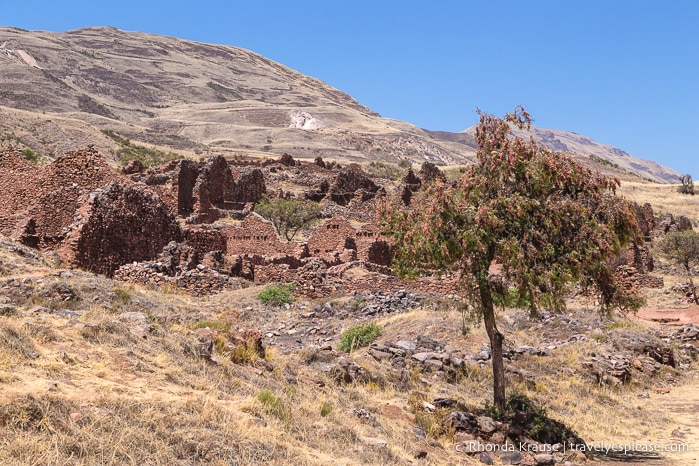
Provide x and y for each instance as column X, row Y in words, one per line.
column 99, row 388
column 664, row 198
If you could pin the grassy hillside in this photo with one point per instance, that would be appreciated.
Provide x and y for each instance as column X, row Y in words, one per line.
column 94, row 371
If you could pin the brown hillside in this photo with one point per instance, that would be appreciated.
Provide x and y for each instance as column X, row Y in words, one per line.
column 61, row 91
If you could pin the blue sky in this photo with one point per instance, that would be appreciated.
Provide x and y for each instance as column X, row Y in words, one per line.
column 624, row 73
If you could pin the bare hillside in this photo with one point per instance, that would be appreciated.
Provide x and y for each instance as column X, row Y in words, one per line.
column 61, row 91
column 192, row 97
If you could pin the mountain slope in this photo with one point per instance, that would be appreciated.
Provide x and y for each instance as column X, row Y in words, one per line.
column 60, row 91
column 197, row 97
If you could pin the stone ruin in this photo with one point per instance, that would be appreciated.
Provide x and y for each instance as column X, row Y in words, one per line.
column 103, row 221
column 634, row 265
column 125, row 224
column 411, row 184
column 43, row 200
column 215, row 190
column 118, row 224
column 652, row 226
column 430, row 172
column 350, row 183
column 81, row 208
column 254, row 251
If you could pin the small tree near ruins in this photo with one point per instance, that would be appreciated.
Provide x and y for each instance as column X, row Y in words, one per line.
column 546, row 219
column 687, row 186
column 683, row 248
column 288, row 216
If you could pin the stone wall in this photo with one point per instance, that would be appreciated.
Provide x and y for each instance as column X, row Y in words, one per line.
column 256, row 235
column 249, row 186
column 347, row 183
column 19, row 186
column 184, row 179
column 216, row 189
column 201, row 281
column 117, row 225
column 372, row 246
column 335, row 235
column 330, row 240
column 314, row 279
column 204, row 239
column 43, row 201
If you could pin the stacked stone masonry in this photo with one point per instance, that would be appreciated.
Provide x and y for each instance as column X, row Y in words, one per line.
column 102, row 220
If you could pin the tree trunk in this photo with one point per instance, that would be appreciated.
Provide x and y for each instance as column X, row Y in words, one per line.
column 693, row 289
column 496, row 339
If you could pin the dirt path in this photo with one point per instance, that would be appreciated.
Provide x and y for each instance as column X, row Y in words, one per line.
column 679, row 446
column 670, row 316
column 682, row 406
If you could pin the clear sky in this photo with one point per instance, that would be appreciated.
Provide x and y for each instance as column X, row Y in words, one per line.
column 623, row 72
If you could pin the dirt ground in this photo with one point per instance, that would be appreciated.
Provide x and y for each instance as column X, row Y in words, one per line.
column 670, row 316
column 681, row 406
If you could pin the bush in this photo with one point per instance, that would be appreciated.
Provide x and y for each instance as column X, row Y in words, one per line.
column 150, row 157
column 274, row 405
column 384, row 170
column 325, row 409
column 277, row 294
column 682, row 247
column 358, row 336
column 30, row 155
column 687, row 184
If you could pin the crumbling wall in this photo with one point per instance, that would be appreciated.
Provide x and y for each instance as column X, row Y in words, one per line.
column 316, row 280
column 645, row 219
column 210, row 189
column 255, row 235
column 331, row 237
column 43, row 201
column 346, row 184
column 20, row 184
column 216, row 190
column 336, row 236
column 669, row 222
column 117, row 225
column 184, row 180
column 204, row 239
column 411, row 184
column 249, row 187
column 430, row 172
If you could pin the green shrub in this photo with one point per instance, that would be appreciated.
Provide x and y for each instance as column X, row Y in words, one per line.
column 325, row 409
column 358, row 336
column 384, row 170
column 273, row 405
column 288, row 216
column 123, row 294
column 277, row 294
column 30, row 155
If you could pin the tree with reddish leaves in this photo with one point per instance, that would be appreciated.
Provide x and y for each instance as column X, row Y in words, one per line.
column 548, row 222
